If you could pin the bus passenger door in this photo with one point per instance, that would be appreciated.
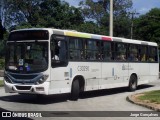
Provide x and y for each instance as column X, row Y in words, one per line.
column 59, row 63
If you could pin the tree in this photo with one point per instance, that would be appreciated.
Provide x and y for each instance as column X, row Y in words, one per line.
column 19, row 11
column 41, row 13
column 98, row 12
column 59, row 14
column 88, row 27
column 2, row 31
column 148, row 26
column 3, row 34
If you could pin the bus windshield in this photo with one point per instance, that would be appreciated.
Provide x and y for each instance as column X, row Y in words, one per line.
column 28, row 57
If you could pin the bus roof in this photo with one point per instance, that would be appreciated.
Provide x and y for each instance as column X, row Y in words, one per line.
column 100, row 37
column 74, row 33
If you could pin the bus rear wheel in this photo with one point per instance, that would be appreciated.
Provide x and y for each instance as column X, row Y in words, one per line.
column 133, row 83
column 75, row 90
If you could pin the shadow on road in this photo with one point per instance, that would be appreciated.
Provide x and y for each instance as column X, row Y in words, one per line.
column 112, row 91
column 34, row 99
column 144, row 87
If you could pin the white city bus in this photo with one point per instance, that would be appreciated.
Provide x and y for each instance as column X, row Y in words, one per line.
column 52, row 61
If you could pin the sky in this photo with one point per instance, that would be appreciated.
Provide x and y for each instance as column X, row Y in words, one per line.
column 144, row 6
column 140, row 6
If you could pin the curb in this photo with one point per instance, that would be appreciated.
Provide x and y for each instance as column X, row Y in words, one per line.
column 140, row 103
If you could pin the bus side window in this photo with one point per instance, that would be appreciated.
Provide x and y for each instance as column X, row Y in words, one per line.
column 133, row 53
column 75, row 48
column 106, row 51
column 153, row 54
column 92, row 50
column 143, row 53
column 120, row 52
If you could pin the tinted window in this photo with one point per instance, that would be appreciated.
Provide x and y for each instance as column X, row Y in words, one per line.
column 92, row 50
column 107, row 53
column 29, row 57
column 29, row 35
column 120, row 52
column 75, row 49
column 133, row 53
column 142, row 53
column 153, row 56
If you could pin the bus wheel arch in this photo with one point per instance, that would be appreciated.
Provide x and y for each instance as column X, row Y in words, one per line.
column 133, row 82
column 77, row 87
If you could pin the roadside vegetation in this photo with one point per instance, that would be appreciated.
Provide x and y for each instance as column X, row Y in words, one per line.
column 2, row 63
column 152, row 97
column 1, row 83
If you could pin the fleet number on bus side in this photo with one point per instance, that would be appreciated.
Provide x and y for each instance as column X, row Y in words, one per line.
column 83, row 68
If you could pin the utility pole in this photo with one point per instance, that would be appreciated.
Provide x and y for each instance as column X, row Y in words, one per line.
column 132, row 24
column 111, row 19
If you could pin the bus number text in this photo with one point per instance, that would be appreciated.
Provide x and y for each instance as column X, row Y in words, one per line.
column 83, row 68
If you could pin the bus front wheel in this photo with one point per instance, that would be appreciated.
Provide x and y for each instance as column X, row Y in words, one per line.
column 133, row 83
column 75, row 90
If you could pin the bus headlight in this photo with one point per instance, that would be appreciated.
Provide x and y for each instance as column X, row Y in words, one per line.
column 41, row 79
column 7, row 79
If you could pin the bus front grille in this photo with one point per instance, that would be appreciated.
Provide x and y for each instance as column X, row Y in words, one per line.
column 23, row 77
column 23, row 87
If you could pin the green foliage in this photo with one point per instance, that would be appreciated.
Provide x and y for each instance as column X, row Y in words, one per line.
column 92, row 16
column 88, row 27
column 2, row 31
column 18, row 11
column 2, row 64
column 23, row 25
column 1, row 83
column 2, row 45
column 148, row 26
column 42, row 13
column 98, row 11
column 152, row 96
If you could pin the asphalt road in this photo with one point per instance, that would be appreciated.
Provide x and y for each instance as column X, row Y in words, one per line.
column 104, row 100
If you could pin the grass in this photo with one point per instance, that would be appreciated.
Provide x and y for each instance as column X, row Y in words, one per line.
column 1, row 83
column 152, row 96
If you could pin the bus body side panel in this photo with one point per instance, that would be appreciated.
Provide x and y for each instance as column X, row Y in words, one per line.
column 60, row 82
column 90, row 71
column 62, row 77
column 141, row 70
column 114, row 75
column 154, row 71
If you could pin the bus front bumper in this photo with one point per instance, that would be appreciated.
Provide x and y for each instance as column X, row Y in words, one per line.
column 30, row 89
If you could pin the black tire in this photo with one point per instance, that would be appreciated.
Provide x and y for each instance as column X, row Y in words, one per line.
column 132, row 83
column 75, row 90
